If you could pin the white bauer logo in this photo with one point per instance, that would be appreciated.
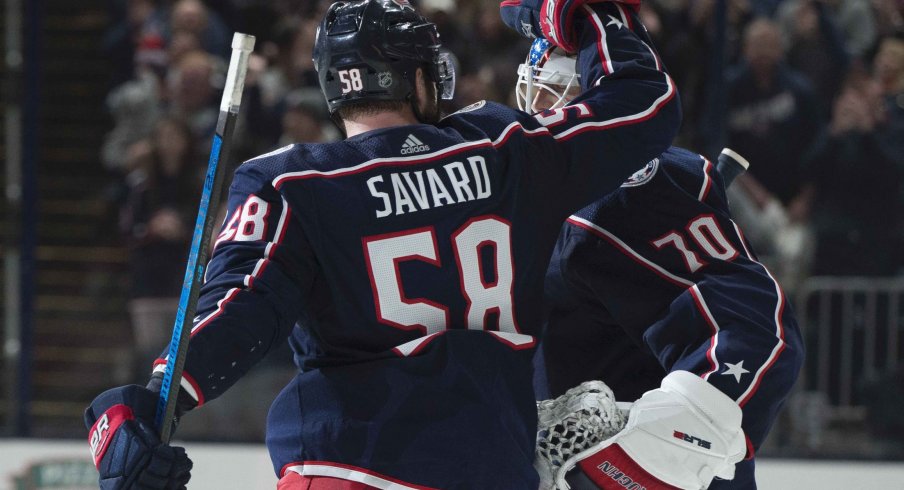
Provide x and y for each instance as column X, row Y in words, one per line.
column 413, row 145
column 99, row 436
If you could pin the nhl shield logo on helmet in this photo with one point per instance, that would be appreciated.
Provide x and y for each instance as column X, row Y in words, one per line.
column 385, row 79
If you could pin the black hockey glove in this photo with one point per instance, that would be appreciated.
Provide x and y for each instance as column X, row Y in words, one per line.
column 126, row 447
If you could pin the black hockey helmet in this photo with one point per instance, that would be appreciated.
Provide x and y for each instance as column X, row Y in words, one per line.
column 370, row 50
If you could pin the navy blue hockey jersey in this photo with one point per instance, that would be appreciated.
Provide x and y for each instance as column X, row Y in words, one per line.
column 657, row 277
column 406, row 266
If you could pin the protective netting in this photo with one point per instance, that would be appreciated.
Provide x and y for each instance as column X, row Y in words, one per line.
column 581, row 418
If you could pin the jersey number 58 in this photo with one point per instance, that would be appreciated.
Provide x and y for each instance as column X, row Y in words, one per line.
column 483, row 297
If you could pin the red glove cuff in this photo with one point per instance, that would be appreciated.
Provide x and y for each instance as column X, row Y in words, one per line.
column 612, row 468
column 102, row 431
column 556, row 24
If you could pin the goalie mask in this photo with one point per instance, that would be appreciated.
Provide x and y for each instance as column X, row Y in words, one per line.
column 370, row 50
column 547, row 68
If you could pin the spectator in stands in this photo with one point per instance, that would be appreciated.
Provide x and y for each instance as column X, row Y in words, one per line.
column 857, row 22
column 135, row 105
column 306, row 119
column 500, row 49
column 889, row 16
column 156, row 220
column 180, row 44
column 817, row 47
column 888, row 68
column 194, row 17
column 139, row 20
column 772, row 112
column 192, row 92
column 739, row 13
column 854, row 19
column 280, row 67
column 856, row 207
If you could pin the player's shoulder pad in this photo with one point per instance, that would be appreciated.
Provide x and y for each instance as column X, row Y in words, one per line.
column 259, row 172
column 486, row 119
column 688, row 170
column 677, row 160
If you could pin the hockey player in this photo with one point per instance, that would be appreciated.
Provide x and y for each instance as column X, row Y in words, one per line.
column 655, row 279
column 405, row 264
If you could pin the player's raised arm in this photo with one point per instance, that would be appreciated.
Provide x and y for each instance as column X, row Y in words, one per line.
column 627, row 114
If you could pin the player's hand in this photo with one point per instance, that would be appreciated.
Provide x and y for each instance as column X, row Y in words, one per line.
column 126, row 447
column 552, row 19
column 523, row 16
column 679, row 436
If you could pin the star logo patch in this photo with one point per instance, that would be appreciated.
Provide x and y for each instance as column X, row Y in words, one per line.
column 736, row 370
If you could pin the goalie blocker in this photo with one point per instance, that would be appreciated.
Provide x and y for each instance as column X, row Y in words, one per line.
column 679, row 436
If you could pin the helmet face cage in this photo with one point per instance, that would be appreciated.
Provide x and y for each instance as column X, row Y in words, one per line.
column 370, row 51
column 445, row 74
column 545, row 69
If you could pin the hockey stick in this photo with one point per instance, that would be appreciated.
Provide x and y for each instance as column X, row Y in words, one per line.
column 242, row 45
column 731, row 165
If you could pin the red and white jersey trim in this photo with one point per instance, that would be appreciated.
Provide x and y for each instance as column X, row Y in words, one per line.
column 701, row 304
column 187, row 383
column 707, row 180
column 351, row 473
column 602, row 46
column 470, row 145
column 259, row 267
column 663, row 273
column 414, row 346
column 711, row 321
column 630, row 252
column 779, row 328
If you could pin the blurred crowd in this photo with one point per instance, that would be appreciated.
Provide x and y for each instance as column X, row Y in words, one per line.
column 811, row 92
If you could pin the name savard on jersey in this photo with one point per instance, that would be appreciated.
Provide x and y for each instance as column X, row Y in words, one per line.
column 409, row 192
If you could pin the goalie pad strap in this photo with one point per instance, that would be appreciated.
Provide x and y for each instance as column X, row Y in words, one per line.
column 613, row 468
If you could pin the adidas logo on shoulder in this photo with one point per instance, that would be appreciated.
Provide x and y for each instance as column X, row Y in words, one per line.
column 413, row 145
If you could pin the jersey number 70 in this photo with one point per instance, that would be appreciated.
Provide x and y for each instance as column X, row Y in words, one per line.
column 483, row 297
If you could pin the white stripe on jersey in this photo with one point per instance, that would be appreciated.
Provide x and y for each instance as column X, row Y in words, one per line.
column 603, row 46
column 503, row 136
column 272, row 153
column 711, row 320
column 779, row 328
column 707, row 180
column 413, row 346
column 184, row 383
column 596, row 229
column 348, row 473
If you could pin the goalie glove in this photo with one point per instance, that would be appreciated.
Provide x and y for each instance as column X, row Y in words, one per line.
column 679, row 436
column 126, row 447
column 583, row 417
